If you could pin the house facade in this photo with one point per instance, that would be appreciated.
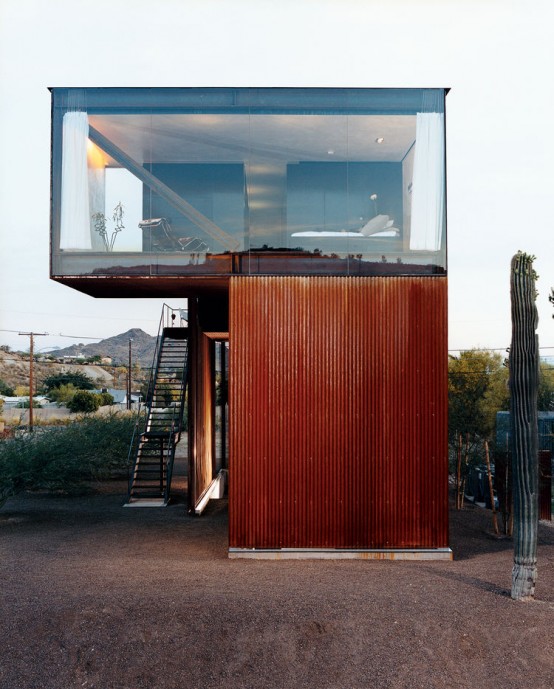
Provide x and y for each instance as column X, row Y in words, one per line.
column 307, row 229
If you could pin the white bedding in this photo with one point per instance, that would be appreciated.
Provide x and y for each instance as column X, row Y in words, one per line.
column 379, row 226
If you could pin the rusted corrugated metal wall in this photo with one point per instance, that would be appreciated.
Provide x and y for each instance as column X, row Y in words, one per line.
column 338, row 412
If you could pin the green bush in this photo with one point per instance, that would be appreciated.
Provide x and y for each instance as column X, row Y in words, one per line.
column 6, row 389
column 66, row 458
column 84, row 402
column 62, row 395
column 25, row 404
column 106, row 400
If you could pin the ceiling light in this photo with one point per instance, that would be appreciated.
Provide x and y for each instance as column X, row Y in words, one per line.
column 331, row 152
column 379, row 140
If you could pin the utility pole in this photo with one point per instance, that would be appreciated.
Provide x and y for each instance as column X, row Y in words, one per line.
column 32, row 336
column 129, row 376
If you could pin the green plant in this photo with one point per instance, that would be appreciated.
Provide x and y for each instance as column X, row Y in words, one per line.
column 63, row 394
column 84, row 402
column 76, row 378
column 66, row 458
column 25, row 404
column 106, row 399
column 6, row 389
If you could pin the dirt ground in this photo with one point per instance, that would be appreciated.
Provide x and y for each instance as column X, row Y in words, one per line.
column 94, row 595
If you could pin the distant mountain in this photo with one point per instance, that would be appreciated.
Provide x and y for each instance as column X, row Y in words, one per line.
column 117, row 347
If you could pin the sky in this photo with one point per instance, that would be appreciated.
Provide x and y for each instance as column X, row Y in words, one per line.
column 496, row 56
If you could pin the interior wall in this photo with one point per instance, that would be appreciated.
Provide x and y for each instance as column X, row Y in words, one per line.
column 338, row 412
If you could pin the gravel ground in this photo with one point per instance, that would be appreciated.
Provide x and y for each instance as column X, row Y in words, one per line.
column 94, row 595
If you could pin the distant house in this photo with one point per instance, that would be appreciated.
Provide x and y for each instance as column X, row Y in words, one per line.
column 14, row 402
column 307, row 228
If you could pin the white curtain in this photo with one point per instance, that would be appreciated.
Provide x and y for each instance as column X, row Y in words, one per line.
column 428, row 183
column 75, row 230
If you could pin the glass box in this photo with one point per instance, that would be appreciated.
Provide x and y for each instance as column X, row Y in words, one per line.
column 218, row 181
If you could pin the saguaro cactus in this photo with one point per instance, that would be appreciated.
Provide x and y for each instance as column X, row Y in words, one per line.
column 524, row 381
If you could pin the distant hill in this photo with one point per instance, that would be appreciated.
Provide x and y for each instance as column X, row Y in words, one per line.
column 117, row 347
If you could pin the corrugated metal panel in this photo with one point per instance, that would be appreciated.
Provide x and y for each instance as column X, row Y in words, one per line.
column 338, row 412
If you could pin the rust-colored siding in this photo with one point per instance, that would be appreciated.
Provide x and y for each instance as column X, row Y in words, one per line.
column 338, row 412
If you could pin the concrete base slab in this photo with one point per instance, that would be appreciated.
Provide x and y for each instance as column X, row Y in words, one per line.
column 338, row 554
column 147, row 502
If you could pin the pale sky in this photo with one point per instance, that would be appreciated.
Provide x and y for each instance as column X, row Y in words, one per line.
column 497, row 56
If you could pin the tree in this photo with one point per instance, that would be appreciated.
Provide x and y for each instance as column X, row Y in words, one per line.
column 62, row 394
column 84, row 402
column 477, row 389
column 76, row 378
column 95, row 359
column 21, row 391
column 524, row 382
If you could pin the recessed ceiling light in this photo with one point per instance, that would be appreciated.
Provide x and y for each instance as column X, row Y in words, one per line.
column 379, row 140
column 331, row 152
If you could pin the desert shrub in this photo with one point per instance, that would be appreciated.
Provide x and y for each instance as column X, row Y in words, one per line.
column 66, row 458
column 106, row 399
column 6, row 389
column 25, row 404
column 84, row 402
column 62, row 394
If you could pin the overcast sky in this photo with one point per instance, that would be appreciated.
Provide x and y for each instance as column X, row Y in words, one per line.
column 497, row 56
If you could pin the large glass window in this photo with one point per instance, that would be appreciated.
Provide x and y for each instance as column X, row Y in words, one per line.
column 260, row 181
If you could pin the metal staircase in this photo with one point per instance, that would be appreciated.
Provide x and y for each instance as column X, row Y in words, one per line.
column 153, row 447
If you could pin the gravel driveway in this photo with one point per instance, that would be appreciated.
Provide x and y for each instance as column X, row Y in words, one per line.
column 94, row 595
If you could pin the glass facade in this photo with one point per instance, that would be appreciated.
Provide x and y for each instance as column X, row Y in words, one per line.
column 198, row 182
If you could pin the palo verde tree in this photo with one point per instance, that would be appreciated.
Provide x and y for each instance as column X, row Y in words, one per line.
column 524, row 382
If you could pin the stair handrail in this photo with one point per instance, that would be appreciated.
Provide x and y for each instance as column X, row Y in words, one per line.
column 165, row 318
column 168, row 314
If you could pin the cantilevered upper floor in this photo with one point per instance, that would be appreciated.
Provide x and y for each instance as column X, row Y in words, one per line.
column 161, row 191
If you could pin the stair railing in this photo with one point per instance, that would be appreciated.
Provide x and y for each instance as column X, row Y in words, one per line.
column 166, row 321
column 170, row 317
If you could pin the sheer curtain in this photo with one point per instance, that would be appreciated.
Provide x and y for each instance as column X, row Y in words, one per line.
column 75, row 230
column 428, row 183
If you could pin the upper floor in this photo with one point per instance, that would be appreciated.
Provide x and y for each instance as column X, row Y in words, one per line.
column 172, row 190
